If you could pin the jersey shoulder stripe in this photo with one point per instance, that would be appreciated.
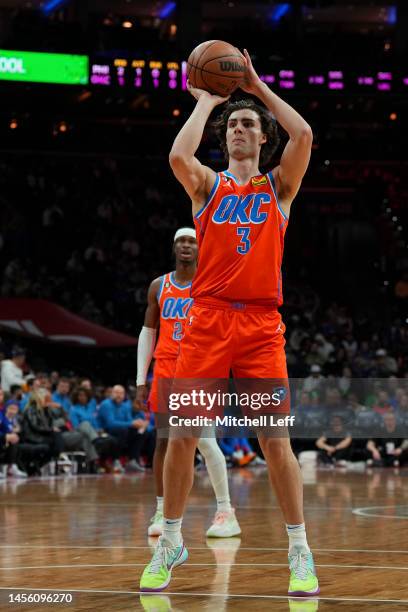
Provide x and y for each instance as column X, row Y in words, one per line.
column 210, row 196
column 160, row 291
column 273, row 187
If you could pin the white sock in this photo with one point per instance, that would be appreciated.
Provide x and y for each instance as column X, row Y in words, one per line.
column 297, row 536
column 159, row 504
column 217, row 471
column 172, row 531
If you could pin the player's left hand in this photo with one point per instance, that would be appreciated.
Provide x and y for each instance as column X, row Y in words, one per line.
column 251, row 80
column 201, row 93
column 141, row 397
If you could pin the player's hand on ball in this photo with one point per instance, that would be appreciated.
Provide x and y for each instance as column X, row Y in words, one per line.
column 201, row 93
column 251, row 80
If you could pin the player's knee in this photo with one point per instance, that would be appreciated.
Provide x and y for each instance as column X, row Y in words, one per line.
column 278, row 450
column 210, row 450
column 182, row 446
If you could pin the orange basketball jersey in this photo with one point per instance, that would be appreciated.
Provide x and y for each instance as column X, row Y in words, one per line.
column 174, row 303
column 240, row 233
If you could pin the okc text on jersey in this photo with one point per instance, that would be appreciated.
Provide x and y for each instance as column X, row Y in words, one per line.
column 176, row 308
column 250, row 208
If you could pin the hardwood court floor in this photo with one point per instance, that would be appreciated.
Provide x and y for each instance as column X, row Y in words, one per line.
column 87, row 536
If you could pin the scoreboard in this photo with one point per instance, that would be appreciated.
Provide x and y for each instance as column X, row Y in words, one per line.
column 149, row 73
column 337, row 80
column 138, row 73
column 171, row 75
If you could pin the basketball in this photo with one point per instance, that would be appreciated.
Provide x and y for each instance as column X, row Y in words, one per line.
column 217, row 67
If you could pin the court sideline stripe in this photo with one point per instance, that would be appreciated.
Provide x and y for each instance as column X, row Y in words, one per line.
column 229, row 565
column 189, row 594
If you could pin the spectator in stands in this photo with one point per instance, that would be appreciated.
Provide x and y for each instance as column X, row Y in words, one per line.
column 83, row 409
column 37, row 426
column 2, row 401
column 54, row 379
column 44, row 381
column 84, row 417
column 16, row 393
column 362, row 362
column 315, row 355
column 86, row 383
column 61, row 394
column 79, row 440
column 402, row 405
column 30, row 456
column 350, row 345
column 354, row 404
column 335, row 445
column 298, row 334
column 12, row 369
column 107, row 393
column 117, row 419
column 384, row 365
column 324, row 348
column 394, row 390
column 304, row 402
column 333, row 400
column 383, row 403
column 344, row 382
column 315, row 381
column 391, row 449
column 9, row 443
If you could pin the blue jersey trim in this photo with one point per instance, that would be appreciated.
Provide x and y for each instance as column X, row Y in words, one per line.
column 174, row 282
column 200, row 226
column 280, row 284
column 210, row 197
column 228, row 173
column 272, row 182
column 159, row 293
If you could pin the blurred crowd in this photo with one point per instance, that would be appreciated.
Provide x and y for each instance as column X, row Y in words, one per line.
column 51, row 423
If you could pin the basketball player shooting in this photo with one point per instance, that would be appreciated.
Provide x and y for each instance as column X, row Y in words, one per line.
column 240, row 217
column 169, row 303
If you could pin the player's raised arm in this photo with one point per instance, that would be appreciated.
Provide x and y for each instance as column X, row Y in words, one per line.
column 296, row 155
column 196, row 178
column 147, row 341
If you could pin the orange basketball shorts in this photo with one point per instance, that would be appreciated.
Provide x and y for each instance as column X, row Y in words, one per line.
column 246, row 339
column 163, row 374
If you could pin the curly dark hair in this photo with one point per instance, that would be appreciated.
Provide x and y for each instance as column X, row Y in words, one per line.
column 268, row 125
column 77, row 391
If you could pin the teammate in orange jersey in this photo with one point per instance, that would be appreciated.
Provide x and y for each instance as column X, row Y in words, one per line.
column 169, row 303
column 240, row 217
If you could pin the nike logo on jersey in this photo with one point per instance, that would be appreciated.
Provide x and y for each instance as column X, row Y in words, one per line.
column 251, row 208
column 176, row 308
